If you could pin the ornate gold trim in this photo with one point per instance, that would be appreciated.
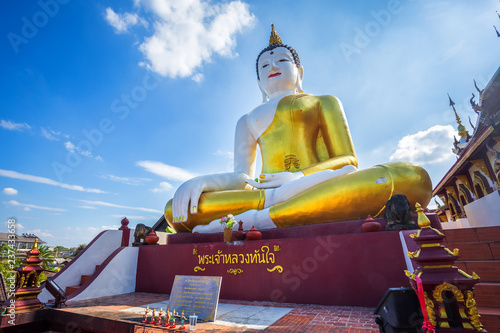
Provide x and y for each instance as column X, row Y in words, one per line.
column 438, row 292
column 478, row 181
column 429, row 306
column 481, row 165
column 474, row 276
column 464, row 180
column 473, row 315
column 277, row 267
column 454, row 253
column 235, row 271
column 413, row 254
column 438, row 266
column 416, row 235
column 431, row 245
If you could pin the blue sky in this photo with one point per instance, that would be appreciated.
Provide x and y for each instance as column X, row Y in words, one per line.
column 108, row 106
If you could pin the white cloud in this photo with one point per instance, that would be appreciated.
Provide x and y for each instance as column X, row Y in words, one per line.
column 52, row 135
column 121, row 22
column 47, row 181
column 12, row 126
column 96, row 230
column 87, row 207
column 10, row 191
column 167, row 171
column 126, row 180
column 69, row 146
column 30, row 206
column 40, row 233
column 135, row 217
column 72, row 149
column 426, row 147
column 186, row 33
column 17, row 225
column 225, row 154
column 108, row 204
column 197, row 78
column 163, row 187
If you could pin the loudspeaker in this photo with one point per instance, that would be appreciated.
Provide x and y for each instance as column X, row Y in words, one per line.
column 399, row 311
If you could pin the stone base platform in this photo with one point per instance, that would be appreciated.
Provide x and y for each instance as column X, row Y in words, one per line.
column 329, row 264
column 123, row 313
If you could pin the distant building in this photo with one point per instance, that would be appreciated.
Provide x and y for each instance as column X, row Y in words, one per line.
column 470, row 189
column 24, row 242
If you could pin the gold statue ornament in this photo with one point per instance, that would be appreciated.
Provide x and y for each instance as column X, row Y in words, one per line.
column 309, row 166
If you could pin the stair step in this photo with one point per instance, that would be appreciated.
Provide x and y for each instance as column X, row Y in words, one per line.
column 466, row 235
column 495, row 250
column 490, row 318
column 72, row 289
column 460, row 235
column 488, row 234
column 472, row 251
column 488, row 271
column 84, row 279
column 487, row 294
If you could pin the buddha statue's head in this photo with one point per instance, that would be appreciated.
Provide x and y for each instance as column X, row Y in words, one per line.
column 278, row 68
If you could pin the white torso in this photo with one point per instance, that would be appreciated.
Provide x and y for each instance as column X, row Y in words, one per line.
column 260, row 118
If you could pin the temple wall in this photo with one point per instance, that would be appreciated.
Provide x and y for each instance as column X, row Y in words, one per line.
column 485, row 211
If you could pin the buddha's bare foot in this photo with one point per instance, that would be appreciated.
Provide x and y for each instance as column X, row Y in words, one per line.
column 258, row 218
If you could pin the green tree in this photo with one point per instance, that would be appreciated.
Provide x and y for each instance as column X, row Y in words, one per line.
column 60, row 250
column 7, row 265
column 79, row 249
column 46, row 255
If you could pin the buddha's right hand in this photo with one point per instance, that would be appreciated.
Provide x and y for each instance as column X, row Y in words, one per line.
column 187, row 193
column 273, row 180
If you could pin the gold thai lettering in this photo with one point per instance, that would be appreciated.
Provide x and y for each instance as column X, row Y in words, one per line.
column 259, row 256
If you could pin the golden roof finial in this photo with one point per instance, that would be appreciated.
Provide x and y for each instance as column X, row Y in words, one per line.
column 423, row 221
column 35, row 246
column 462, row 131
column 275, row 38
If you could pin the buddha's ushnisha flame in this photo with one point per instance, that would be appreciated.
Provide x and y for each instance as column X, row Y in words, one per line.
column 275, row 38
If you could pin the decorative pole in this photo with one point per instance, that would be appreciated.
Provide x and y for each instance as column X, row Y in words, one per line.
column 27, row 276
column 126, row 232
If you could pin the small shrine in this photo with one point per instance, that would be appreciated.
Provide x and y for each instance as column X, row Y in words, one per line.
column 27, row 281
column 447, row 290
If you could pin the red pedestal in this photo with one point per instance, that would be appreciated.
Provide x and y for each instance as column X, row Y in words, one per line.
column 333, row 263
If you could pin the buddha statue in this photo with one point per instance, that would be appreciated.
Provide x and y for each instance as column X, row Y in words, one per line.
column 309, row 166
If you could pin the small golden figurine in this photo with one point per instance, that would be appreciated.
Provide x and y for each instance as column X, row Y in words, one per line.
column 167, row 317
column 172, row 319
column 153, row 317
column 145, row 316
column 158, row 317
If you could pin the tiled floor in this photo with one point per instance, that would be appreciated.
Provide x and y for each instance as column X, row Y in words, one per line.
column 235, row 316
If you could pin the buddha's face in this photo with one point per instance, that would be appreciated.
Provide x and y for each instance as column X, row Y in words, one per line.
column 278, row 72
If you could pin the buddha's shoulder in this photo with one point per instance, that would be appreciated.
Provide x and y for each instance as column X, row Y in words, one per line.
column 327, row 102
column 320, row 98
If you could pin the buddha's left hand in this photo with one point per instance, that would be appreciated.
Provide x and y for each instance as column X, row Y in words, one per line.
column 273, row 180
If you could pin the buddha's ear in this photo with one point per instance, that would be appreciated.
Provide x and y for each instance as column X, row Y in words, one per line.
column 299, row 79
column 265, row 98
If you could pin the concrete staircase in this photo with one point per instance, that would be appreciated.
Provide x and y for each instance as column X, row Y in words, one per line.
column 480, row 252
column 84, row 278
